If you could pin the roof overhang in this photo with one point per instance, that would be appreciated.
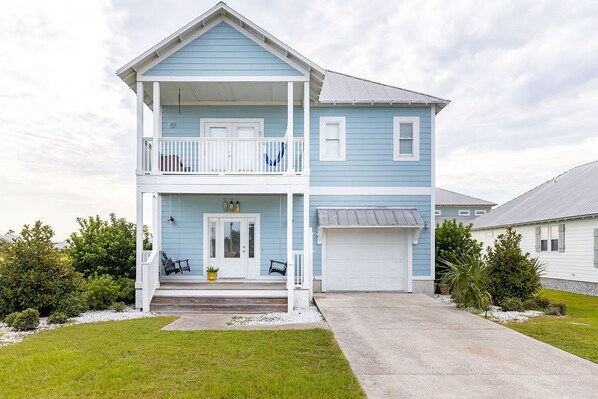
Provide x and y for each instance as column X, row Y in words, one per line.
column 221, row 11
column 365, row 217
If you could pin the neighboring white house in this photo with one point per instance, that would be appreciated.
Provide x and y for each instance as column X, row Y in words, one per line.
column 559, row 223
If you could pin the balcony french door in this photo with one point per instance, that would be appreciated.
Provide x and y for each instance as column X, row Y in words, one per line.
column 239, row 159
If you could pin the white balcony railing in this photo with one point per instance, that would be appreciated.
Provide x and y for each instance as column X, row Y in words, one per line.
column 299, row 268
column 260, row 155
column 150, row 279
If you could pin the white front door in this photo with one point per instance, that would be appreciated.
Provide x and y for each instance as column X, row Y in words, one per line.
column 232, row 246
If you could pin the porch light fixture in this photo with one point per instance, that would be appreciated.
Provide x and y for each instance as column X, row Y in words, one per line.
column 171, row 124
column 171, row 220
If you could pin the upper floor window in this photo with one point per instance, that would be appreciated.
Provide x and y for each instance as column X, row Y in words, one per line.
column 333, row 140
column 405, row 138
column 480, row 212
column 464, row 212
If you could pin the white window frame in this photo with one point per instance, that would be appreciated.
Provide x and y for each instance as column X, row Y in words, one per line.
column 396, row 155
column 438, row 212
column 228, row 123
column 480, row 212
column 464, row 212
column 342, row 135
column 551, row 230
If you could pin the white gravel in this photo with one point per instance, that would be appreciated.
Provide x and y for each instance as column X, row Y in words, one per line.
column 9, row 336
column 495, row 313
column 299, row 316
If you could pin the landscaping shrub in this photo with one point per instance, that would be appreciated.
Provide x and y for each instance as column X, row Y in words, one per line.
column 73, row 305
column 10, row 319
column 127, row 290
column 468, row 280
column 26, row 320
column 105, row 246
column 33, row 274
column 512, row 273
column 119, row 306
column 58, row 318
column 561, row 307
column 530, row 304
column 542, row 303
column 552, row 311
column 511, row 305
column 101, row 291
column 453, row 241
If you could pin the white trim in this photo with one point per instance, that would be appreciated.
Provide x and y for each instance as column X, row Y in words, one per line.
column 410, row 263
column 290, row 257
column 223, row 292
column 322, row 236
column 306, row 128
column 290, row 132
column 169, row 78
column 396, row 155
column 423, row 278
column 432, row 227
column 464, row 212
column 480, row 212
column 331, row 190
column 140, row 95
column 342, row 122
column 157, row 128
column 203, row 121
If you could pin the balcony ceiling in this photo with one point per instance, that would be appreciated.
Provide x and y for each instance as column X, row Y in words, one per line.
column 225, row 92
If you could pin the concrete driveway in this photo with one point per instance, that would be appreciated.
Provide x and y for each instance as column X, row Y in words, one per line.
column 412, row 346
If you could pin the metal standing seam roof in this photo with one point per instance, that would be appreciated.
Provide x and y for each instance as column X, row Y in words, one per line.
column 570, row 195
column 369, row 217
column 451, row 198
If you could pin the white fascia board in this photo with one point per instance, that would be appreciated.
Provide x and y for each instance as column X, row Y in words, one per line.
column 170, row 78
column 215, row 184
column 316, row 190
column 532, row 222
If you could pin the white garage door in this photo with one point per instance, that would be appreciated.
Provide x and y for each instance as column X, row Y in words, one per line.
column 366, row 259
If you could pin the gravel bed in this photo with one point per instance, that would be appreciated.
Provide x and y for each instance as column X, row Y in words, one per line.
column 495, row 313
column 9, row 336
column 299, row 316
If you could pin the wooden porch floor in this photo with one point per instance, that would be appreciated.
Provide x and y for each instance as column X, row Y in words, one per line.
column 223, row 285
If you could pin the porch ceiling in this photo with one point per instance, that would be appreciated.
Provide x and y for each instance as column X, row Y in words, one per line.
column 224, row 92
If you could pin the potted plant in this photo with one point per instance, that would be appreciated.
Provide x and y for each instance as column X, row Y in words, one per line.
column 212, row 274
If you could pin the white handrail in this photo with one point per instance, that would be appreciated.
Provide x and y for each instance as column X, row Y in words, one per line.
column 209, row 155
column 150, row 279
column 299, row 268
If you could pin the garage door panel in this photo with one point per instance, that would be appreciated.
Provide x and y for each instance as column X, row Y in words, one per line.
column 366, row 259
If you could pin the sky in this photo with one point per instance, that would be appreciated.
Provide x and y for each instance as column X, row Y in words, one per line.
column 522, row 78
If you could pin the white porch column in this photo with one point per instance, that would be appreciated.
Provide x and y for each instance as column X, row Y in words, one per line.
column 290, row 142
column 156, row 225
column 290, row 258
column 307, row 272
column 139, row 168
column 138, row 244
column 157, row 130
column 306, row 106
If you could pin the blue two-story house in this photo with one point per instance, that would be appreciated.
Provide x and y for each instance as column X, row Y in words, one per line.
column 258, row 154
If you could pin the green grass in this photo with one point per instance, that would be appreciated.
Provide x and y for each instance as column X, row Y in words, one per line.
column 577, row 333
column 133, row 358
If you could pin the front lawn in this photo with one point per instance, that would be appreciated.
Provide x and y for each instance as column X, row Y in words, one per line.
column 577, row 333
column 133, row 358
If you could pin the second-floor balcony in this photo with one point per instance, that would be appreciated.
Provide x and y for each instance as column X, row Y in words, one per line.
column 222, row 156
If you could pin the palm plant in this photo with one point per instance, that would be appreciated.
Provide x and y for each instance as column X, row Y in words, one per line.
column 468, row 280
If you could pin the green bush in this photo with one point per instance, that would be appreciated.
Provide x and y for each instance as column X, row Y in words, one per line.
column 105, row 246
column 33, row 274
column 26, row 320
column 468, row 281
column 58, row 318
column 119, row 306
column 10, row 319
column 512, row 273
column 542, row 303
column 126, row 287
column 453, row 241
column 530, row 304
column 101, row 291
column 511, row 305
column 552, row 311
column 73, row 305
column 561, row 307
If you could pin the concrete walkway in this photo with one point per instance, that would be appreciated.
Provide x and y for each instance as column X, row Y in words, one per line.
column 192, row 322
column 412, row 346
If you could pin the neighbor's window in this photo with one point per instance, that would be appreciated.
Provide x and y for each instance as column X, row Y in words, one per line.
column 554, row 238
column 405, row 138
column 332, row 138
column 438, row 212
column 544, row 238
column 464, row 212
column 480, row 212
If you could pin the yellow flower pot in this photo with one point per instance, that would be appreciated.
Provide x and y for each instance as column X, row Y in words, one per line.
column 212, row 277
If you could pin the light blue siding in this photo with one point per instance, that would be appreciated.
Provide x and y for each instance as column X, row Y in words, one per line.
column 369, row 155
column 223, row 51
column 187, row 121
column 184, row 238
column 421, row 251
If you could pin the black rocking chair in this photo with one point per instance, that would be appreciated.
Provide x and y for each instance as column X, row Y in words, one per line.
column 177, row 266
column 277, row 266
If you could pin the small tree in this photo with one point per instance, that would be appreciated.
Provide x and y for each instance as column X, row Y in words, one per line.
column 512, row 273
column 105, row 246
column 453, row 242
column 468, row 279
column 33, row 274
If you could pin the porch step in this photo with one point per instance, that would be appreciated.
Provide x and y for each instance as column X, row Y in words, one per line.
column 218, row 304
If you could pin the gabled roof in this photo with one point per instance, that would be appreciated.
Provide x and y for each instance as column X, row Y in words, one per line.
column 451, row 198
column 340, row 88
column 572, row 194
